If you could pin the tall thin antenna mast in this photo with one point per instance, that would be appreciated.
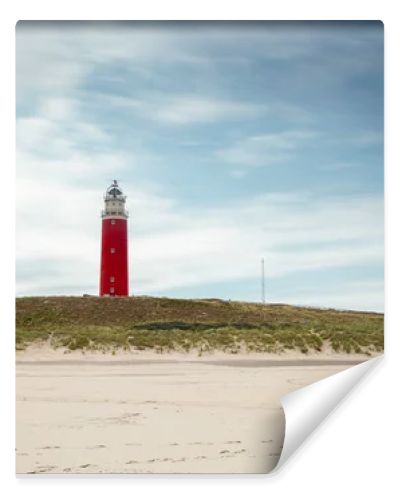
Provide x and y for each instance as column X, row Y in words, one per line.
column 262, row 281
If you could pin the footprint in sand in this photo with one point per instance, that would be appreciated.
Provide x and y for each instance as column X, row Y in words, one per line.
column 165, row 459
column 44, row 468
column 198, row 443
column 231, row 453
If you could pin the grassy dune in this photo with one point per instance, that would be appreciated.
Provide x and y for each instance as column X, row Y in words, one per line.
column 162, row 325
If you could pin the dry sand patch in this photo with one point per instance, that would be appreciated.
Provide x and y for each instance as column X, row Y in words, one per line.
column 121, row 414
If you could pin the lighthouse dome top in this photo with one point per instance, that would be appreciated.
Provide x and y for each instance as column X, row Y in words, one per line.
column 114, row 203
column 114, row 190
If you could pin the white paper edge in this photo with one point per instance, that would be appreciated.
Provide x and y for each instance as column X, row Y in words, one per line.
column 306, row 408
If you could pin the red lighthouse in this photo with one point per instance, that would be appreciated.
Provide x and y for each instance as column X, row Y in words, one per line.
column 114, row 244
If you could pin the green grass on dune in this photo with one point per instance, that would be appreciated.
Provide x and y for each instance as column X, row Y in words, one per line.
column 165, row 325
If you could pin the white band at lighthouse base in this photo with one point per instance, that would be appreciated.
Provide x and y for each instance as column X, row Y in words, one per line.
column 104, row 217
column 306, row 408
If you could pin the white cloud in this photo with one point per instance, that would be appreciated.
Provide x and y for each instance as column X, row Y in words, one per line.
column 186, row 109
column 60, row 145
column 227, row 244
column 45, row 138
column 58, row 108
column 265, row 149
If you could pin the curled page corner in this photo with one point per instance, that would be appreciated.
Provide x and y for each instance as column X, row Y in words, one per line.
column 306, row 408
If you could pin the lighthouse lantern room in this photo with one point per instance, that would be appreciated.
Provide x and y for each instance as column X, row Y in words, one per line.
column 114, row 244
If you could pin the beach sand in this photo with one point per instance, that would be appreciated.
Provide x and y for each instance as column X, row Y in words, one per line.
column 170, row 413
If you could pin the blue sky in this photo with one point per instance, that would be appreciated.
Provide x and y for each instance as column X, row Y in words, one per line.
column 232, row 141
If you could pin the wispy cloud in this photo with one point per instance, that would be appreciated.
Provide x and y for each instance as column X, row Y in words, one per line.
column 48, row 150
column 265, row 149
column 187, row 109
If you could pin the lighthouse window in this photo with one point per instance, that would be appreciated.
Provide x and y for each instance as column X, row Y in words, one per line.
column 112, row 250
column 112, row 221
column 112, row 290
column 112, row 279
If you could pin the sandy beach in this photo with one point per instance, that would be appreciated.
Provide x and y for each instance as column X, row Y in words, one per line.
column 149, row 413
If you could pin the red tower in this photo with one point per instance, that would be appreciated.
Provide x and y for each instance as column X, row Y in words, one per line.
column 114, row 244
